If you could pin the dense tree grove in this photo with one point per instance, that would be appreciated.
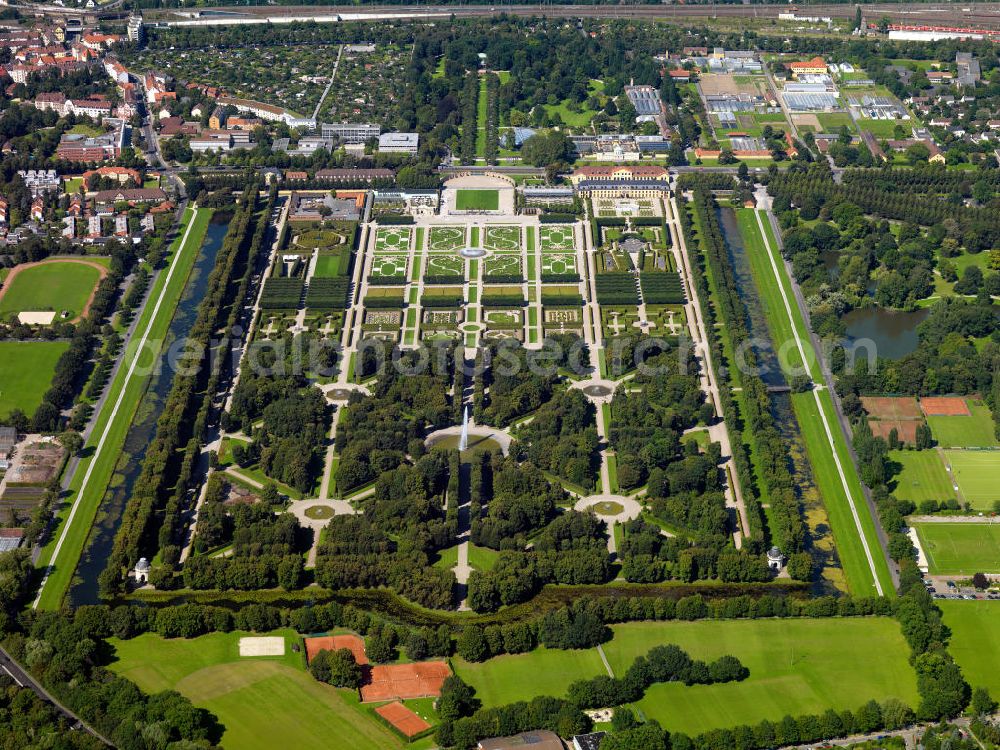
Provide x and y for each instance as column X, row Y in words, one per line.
column 375, row 434
column 391, row 544
column 562, row 438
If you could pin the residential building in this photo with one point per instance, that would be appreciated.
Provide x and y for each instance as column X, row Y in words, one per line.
column 130, row 195
column 136, row 30
column 40, row 181
column 217, row 120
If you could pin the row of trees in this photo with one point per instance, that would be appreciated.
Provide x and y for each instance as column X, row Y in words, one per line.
column 169, row 463
column 667, row 663
column 788, row 530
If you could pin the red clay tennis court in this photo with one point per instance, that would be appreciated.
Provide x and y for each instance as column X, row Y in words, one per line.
column 334, row 643
column 891, row 407
column 945, row 406
column 402, row 681
column 906, row 429
column 403, row 719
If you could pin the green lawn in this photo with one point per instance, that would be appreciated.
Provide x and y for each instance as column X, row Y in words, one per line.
column 883, row 128
column 62, row 286
column 90, row 481
column 796, row 666
column 785, row 325
column 73, row 185
column 831, row 122
column 974, row 431
column 506, row 679
column 263, row 702
column 975, row 640
column 26, row 370
column 328, row 266
column 960, row 548
column 481, row 106
column 978, row 476
column 477, row 200
column 922, row 476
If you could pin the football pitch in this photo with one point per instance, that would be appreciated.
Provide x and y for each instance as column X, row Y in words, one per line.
column 978, row 476
column 960, row 548
column 245, row 692
column 922, row 477
column 477, row 200
column 796, row 667
column 53, row 285
column 26, row 370
column 975, row 640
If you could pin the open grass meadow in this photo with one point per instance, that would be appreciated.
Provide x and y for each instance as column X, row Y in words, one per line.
column 515, row 677
column 26, row 370
column 244, row 691
column 50, row 286
column 477, row 200
column 921, row 476
column 796, row 666
column 975, row 640
column 100, row 455
column 973, row 431
column 960, row 548
column 978, row 476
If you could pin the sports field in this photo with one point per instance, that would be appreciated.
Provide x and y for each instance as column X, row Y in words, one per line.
column 26, row 370
column 243, row 692
column 960, row 548
column 975, row 640
column 93, row 473
column 973, row 431
column 796, row 666
column 978, row 476
column 63, row 285
column 477, row 200
column 922, row 476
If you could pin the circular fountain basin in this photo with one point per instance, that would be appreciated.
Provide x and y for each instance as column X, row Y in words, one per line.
column 473, row 252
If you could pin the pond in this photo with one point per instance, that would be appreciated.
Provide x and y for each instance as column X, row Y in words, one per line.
column 893, row 332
